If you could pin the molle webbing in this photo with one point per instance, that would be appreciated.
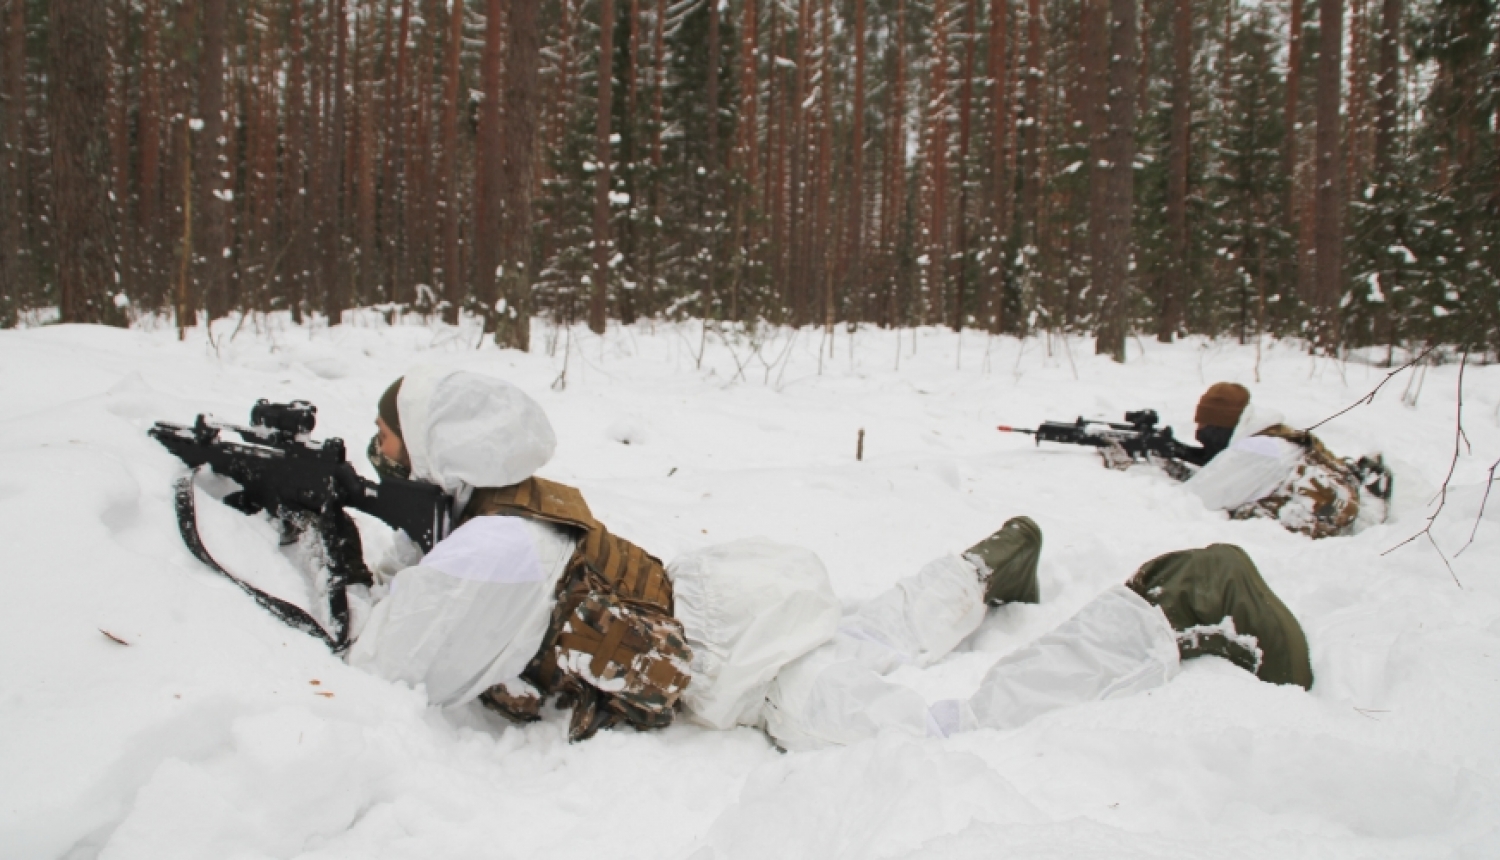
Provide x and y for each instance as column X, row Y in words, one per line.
column 631, row 573
column 612, row 627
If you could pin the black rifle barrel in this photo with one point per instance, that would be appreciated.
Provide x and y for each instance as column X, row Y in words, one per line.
column 281, row 475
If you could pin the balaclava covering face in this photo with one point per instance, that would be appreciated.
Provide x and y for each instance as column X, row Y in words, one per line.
column 385, row 466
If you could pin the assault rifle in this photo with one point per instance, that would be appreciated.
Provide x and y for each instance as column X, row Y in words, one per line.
column 1139, row 436
column 302, row 484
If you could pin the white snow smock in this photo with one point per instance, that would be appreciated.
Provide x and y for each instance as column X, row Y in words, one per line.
column 836, row 695
column 475, row 610
column 748, row 608
column 1250, row 468
column 1116, row 645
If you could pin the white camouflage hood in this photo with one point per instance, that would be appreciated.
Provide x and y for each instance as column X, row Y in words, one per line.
column 464, row 430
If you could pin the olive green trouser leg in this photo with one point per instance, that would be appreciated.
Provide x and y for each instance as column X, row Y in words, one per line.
column 1200, row 587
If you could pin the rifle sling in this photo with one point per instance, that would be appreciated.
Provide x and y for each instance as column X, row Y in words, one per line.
column 291, row 614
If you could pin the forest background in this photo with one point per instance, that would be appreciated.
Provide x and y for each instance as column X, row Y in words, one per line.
column 1327, row 170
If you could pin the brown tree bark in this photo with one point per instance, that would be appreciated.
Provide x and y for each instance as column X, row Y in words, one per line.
column 1093, row 83
column 448, row 166
column 1301, row 264
column 1031, row 197
column 713, row 88
column 1001, row 200
column 118, row 106
column 84, row 225
column 1330, row 235
column 213, row 210
column 855, row 275
column 1174, row 285
column 965, row 129
column 521, row 106
column 827, row 231
column 12, row 164
column 396, row 188
column 895, row 174
column 337, row 195
column 487, row 169
column 598, row 300
column 295, row 264
column 935, row 244
column 1357, row 128
column 658, row 90
column 742, row 158
column 1120, row 153
column 1387, row 86
column 797, row 235
column 368, row 252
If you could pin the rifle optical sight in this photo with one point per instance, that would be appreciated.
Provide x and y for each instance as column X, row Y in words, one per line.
column 289, row 419
column 1142, row 418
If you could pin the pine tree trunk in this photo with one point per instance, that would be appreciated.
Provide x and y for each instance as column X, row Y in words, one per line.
column 295, row 263
column 521, row 104
column 488, row 160
column 1031, row 197
column 1292, row 207
column 1116, row 245
column 84, row 217
column 742, row 157
column 712, row 111
column 118, row 104
column 797, row 235
column 1094, row 70
column 1002, row 185
column 1330, row 236
column 936, row 157
column 965, row 129
column 658, row 90
column 827, row 230
column 335, row 278
column 855, row 275
column 209, row 162
column 1174, row 286
column 598, row 300
column 1387, row 88
column 12, row 164
column 1357, row 128
column 368, row 260
column 398, row 148
column 895, row 170
column 448, row 165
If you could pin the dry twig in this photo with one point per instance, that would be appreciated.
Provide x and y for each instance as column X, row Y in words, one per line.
column 1370, row 398
column 1489, row 483
column 1460, row 438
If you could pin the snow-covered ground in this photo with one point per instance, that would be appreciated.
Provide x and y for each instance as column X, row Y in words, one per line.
column 215, row 731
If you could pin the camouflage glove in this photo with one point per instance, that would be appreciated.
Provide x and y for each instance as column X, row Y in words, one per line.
column 523, row 704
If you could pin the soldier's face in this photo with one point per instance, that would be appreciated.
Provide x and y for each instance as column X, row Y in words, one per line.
column 390, row 444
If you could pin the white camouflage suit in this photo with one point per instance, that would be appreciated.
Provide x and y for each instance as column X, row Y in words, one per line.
column 770, row 647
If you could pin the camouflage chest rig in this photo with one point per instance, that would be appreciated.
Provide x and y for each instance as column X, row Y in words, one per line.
column 1319, row 498
column 612, row 652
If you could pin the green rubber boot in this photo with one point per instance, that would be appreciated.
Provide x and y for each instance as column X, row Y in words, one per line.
column 1007, row 560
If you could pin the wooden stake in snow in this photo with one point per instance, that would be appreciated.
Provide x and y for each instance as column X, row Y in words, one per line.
column 859, row 447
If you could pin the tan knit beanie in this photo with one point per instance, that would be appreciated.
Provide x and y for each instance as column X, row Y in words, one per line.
column 1221, row 405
